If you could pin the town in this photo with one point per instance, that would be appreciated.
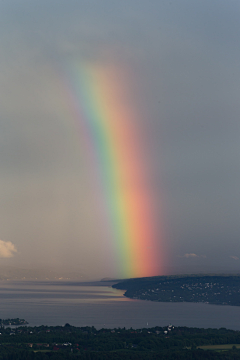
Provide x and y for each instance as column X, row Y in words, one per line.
column 212, row 289
column 15, row 322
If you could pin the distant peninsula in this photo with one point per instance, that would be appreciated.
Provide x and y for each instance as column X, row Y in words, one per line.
column 15, row 321
column 210, row 289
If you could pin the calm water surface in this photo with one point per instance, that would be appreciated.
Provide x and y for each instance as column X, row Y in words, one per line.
column 49, row 303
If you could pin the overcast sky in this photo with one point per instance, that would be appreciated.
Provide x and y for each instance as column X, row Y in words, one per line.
column 184, row 59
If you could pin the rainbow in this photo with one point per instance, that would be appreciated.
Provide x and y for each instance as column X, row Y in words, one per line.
column 114, row 141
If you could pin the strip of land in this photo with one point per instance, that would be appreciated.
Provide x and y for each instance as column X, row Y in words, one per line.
column 88, row 343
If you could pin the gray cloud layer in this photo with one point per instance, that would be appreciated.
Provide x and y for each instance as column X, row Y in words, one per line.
column 184, row 57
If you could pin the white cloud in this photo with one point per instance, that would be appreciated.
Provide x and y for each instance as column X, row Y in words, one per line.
column 234, row 257
column 7, row 249
column 192, row 255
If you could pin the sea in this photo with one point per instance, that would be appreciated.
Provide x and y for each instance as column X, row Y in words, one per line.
column 98, row 304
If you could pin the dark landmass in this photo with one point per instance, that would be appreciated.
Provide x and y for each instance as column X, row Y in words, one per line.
column 212, row 289
column 87, row 343
column 109, row 279
column 16, row 322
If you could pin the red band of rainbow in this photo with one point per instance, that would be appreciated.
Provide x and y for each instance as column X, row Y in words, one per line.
column 102, row 108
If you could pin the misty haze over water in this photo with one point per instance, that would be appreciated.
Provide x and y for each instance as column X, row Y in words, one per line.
column 55, row 303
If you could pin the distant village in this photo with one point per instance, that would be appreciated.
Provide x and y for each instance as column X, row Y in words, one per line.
column 220, row 290
column 13, row 322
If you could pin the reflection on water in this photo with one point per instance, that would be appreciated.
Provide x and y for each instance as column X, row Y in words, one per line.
column 60, row 293
column 51, row 303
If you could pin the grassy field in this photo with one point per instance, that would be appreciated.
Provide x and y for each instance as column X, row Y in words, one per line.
column 219, row 347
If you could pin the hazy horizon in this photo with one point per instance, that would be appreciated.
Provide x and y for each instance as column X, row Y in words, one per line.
column 19, row 275
column 175, row 69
